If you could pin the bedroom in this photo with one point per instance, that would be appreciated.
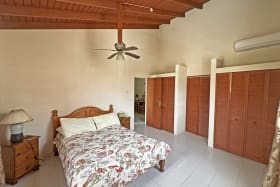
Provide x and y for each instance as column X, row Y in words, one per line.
column 47, row 69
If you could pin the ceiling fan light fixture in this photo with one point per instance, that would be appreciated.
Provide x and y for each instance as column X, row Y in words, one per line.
column 120, row 47
column 120, row 57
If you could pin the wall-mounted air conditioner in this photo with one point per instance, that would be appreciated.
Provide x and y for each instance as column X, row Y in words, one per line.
column 257, row 42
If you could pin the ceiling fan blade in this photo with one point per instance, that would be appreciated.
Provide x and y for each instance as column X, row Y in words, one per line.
column 104, row 50
column 112, row 56
column 132, row 55
column 130, row 48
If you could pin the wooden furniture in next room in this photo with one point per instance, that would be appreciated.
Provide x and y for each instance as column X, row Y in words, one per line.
column 198, row 93
column 245, row 112
column 160, row 103
column 125, row 122
column 139, row 105
column 20, row 158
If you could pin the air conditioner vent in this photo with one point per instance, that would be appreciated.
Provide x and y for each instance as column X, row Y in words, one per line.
column 257, row 42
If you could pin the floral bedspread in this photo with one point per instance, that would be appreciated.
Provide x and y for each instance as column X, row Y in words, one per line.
column 112, row 156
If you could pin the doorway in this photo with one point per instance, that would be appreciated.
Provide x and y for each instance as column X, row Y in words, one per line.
column 139, row 102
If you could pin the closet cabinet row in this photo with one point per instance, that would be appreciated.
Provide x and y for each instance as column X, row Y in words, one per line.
column 160, row 103
column 245, row 112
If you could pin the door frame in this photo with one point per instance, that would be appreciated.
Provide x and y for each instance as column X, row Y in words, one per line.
column 140, row 77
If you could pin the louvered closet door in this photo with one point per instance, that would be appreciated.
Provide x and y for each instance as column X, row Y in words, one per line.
column 222, row 110
column 167, row 111
column 203, row 116
column 272, row 104
column 255, row 127
column 237, row 121
column 154, row 102
column 150, row 101
column 193, row 89
column 157, row 103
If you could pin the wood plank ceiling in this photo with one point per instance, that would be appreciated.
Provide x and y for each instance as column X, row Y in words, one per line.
column 91, row 14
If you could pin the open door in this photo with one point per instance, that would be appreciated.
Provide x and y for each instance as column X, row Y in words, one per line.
column 139, row 101
column 154, row 86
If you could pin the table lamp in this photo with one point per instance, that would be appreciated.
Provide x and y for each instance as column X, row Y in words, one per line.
column 15, row 119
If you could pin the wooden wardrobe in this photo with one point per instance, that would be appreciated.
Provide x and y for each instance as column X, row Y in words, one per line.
column 245, row 112
column 160, row 103
column 197, row 117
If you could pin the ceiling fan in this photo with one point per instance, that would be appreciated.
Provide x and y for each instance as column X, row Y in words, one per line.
column 120, row 47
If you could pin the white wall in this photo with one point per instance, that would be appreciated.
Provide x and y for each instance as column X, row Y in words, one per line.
column 180, row 99
column 210, row 33
column 42, row 70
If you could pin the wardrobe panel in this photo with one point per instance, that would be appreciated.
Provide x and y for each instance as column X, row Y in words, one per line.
column 268, row 139
column 157, row 103
column 150, row 101
column 255, row 115
column 167, row 112
column 272, row 104
column 193, row 89
column 246, row 126
column 164, row 109
column 222, row 110
column 237, row 112
column 273, row 97
column 204, row 94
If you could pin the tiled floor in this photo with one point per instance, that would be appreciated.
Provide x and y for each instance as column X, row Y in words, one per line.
column 139, row 118
column 190, row 164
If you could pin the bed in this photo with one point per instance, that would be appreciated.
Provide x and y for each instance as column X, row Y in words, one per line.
column 111, row 156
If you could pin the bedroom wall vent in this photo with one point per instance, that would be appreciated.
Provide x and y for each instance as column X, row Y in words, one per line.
column 257, row 42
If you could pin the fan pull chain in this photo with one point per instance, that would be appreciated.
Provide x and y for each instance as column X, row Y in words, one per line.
column 125, row 70
column 117, row 70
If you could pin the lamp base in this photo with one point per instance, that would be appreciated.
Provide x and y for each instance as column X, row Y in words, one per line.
column 16, row 138
column 16, row 133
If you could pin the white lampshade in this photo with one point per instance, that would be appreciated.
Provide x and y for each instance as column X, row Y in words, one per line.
column 15, row 117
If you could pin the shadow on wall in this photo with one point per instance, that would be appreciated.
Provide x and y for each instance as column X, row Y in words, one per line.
column 4, row 131
column 47, row 148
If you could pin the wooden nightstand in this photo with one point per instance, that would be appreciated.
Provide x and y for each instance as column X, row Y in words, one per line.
column 20, row 158
column 125, row 122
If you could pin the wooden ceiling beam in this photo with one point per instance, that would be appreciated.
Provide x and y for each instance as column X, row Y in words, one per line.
column 155, row 12
column 188, row 3
column 7, row 10
column 137, row 20
column 139, row 26
column 52, row 25
column 108, row 4
column 62, row 25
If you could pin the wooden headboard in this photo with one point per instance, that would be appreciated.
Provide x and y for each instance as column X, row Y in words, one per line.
column 83, row 112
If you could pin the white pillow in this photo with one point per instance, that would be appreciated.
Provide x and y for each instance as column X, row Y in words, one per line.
column 106, row 120
column 72, row 126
